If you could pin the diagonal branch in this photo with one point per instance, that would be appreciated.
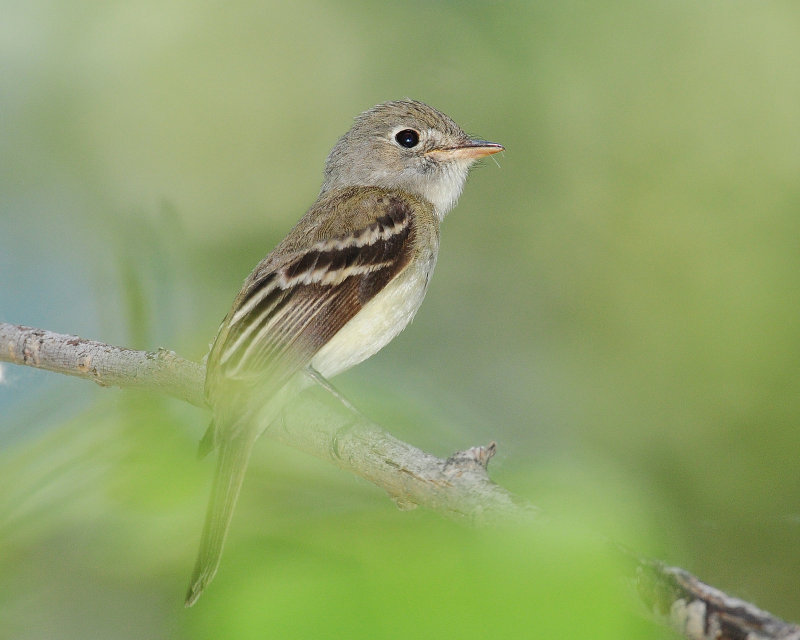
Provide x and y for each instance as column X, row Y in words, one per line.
column 458, row 488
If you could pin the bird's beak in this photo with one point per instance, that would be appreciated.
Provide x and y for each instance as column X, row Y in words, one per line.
column 470, row 150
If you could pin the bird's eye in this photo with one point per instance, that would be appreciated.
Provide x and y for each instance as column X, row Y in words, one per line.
column 407, row 138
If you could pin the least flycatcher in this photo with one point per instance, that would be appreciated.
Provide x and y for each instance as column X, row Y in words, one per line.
column 345, row 281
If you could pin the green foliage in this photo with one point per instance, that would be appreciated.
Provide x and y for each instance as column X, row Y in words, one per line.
column 365, row 575
column 103, row 518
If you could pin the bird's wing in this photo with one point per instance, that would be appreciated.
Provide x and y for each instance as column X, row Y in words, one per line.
column 292, row 309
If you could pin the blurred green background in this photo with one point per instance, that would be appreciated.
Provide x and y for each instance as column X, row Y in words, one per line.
column 616, row 303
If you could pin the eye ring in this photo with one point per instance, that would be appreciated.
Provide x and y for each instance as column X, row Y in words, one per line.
column 407, row 138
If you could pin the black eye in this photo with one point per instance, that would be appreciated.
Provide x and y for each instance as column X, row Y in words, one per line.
column 407, row 138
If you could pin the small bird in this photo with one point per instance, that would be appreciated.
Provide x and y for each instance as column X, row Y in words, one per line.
column 346, row 280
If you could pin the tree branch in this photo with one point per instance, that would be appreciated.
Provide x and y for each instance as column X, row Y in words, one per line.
column 698, row 611
column 458, row 488
column 108, row 366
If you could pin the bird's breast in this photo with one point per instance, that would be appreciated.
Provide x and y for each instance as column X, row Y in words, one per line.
column 379, row 321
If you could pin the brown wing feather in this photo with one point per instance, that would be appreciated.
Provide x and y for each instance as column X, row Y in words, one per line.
column 289, row 312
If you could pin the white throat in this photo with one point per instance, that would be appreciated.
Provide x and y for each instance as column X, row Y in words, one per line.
column 443, row 192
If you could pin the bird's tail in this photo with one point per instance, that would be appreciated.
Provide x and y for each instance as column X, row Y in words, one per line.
column 232, row 457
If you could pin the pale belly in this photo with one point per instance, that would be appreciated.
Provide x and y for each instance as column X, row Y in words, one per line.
column 381, row 319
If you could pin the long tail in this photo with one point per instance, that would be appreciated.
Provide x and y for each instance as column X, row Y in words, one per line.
column 232, row 458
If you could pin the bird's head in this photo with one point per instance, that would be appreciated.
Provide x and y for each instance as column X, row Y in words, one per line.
column 406, row 145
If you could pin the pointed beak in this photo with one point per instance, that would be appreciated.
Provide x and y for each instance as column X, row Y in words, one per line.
column 470, row 150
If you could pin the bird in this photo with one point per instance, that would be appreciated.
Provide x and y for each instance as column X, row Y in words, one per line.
column 341, row 285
